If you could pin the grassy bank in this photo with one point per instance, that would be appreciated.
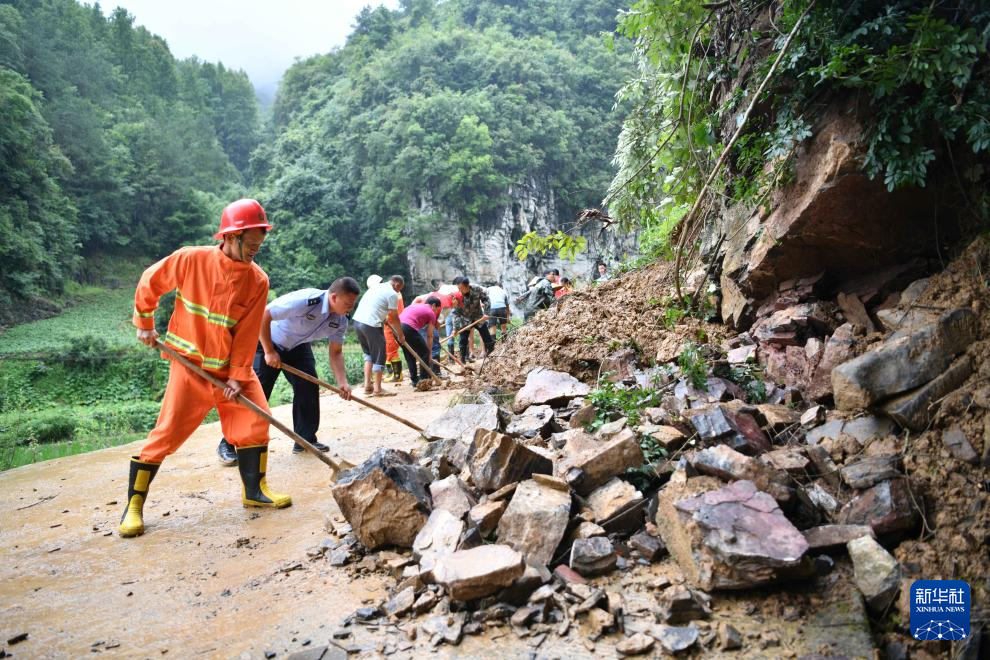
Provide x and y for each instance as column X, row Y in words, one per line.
column 80, row 381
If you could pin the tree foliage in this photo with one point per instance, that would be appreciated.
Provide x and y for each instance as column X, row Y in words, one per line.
column 108, row 144
column 424, row 121
column 919, row 71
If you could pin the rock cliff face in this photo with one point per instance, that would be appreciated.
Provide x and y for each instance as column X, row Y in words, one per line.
column 485, row 252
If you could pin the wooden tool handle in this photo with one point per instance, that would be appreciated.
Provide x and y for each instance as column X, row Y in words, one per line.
column 243, row 400
column 317, row 381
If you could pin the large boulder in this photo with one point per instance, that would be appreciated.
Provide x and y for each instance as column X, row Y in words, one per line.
column 903, row 362
column 532, row 422
column 545, row 386
column 497, row 460
column 833, row 217
column 535, row 521
column 733, row 537
column 386, row 499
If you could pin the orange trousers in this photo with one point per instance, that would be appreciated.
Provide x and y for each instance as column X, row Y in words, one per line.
column 188, row 398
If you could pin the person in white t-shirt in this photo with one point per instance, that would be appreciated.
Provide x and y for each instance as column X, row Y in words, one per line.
column 378, row 305
column 499, row 309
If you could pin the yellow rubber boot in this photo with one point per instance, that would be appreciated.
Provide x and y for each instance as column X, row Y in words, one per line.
column 253, row 464
column 142, row 473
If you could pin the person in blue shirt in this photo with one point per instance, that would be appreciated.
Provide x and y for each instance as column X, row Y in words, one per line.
column 289, row 324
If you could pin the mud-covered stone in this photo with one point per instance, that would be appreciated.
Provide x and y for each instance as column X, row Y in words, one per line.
column 886, row 507
column 777, row 418
column 478, row 572
column 460, row 422
column 876, row 573
column 535, row 521
column 871, row 470
column 386, row 499
column 496, row 460
column 733, row 537
column 916, row 409
column 637, row 644
column 903, row 362
column 545, row 386
column 792, row 460
column 592, row 556
column 453, row 495
column 954, row 439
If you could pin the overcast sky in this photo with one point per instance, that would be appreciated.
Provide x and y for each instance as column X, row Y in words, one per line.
column 263, row 37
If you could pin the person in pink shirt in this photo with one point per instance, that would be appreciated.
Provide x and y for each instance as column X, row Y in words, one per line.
column 414, row 319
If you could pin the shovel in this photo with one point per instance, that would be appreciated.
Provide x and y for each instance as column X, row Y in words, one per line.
column 243, row 400
column 404, row 345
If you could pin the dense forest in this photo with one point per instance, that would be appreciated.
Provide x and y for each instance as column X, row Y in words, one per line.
column 111, row 146
column 108, row 145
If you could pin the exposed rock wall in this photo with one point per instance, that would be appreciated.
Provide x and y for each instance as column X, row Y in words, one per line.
column 485, row 252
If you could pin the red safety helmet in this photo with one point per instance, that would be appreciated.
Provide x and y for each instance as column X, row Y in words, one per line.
column 240, row 215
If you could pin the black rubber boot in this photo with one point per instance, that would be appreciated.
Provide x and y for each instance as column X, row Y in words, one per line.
column 142, row 474
column 253, row 464
column 226, row 453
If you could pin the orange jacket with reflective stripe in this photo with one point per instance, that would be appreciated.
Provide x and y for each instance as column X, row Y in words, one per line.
column 219, row 303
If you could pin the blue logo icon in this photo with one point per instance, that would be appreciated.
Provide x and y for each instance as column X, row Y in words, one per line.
column 940, row 609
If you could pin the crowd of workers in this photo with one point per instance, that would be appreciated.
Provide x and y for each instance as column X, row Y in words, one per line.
column 224, row 324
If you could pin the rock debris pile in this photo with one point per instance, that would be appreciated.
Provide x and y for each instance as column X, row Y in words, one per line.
column 559, row 517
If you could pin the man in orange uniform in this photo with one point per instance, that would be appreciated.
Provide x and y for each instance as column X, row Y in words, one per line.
column 219, row 302
column 392, row 361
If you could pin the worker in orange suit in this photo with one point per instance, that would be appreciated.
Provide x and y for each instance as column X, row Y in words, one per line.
column 392, row 360
column 219, row 303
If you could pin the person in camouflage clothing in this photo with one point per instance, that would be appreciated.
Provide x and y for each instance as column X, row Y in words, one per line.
column 475, row 306
column 540, row 296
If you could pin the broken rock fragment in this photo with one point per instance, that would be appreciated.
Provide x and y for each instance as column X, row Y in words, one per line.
column 674, row 639
column 588, row 463
column 478, row 572
column 903, row 362
column 886, row 507
column 485, row 516
column 877, row 573
column 735, row 537
column 872, row 470
column 592, row 556
column 614, row 506
column 496, row 460
column 830, row 537
column 730, row 465
column 460, row 422
column 533, row 422
column 638, row 644
column 451, row 494
column 385, row 499
column 544, row 386
column 535, row 521
column 439, row 536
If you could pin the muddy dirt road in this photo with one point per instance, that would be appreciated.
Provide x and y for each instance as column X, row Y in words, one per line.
column 209, row 577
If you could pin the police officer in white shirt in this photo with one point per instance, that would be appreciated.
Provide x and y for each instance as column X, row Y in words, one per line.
column 290, row 323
